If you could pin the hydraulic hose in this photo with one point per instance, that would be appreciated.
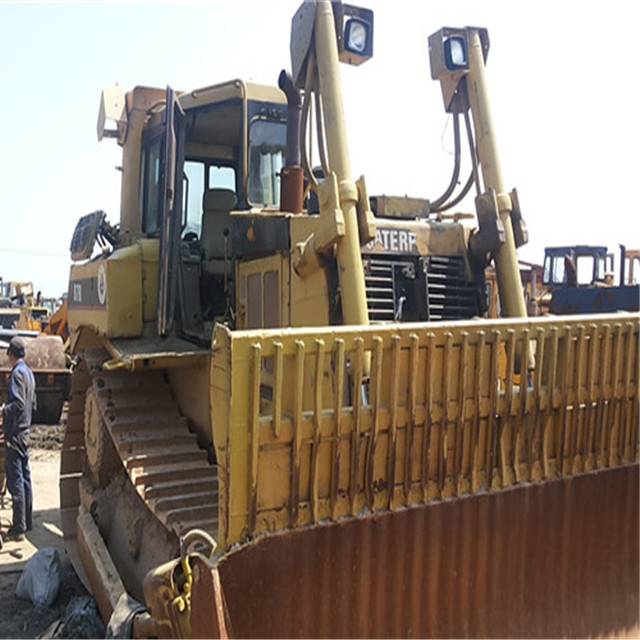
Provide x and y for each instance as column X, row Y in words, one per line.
column 473, row 178
column 437, row 204
column 473, row 151
column 461, row 195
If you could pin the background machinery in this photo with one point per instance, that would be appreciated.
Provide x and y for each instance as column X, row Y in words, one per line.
column 580, row 279
column 288, row 417
column 25, row 314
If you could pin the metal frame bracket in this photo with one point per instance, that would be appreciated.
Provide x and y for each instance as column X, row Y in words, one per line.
column 490, row 234
column 366, row 219
column 520, row 231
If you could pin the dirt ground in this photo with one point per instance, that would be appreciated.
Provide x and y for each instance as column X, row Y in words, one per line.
column 20, row 618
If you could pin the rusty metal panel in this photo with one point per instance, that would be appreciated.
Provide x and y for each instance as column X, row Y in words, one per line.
column 557, row 559
column 567, row 300
column 442, row 414
column 106, row 586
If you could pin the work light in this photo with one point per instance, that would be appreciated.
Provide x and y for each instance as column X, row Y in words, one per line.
column 455, row 53
column 449, row 58
column 357, row 38
column 354, row 29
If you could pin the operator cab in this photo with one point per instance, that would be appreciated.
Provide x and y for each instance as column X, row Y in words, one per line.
column 227, row 153
column 579, row 265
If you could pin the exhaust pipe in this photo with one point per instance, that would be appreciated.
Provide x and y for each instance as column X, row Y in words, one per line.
column 291, row 184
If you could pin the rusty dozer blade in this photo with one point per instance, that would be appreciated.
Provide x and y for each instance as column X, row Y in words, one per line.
column 553, row 560
column 441, row 496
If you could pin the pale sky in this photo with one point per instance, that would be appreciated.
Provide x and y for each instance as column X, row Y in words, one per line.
column 562, row 77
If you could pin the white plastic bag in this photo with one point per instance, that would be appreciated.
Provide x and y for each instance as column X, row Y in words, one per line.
column 40, row 579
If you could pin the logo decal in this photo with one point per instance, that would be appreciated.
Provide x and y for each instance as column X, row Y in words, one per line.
column 395, row 240
column 102, row 284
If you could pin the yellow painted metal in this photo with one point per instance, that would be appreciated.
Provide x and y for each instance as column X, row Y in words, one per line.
column 309, row 305
column 331, row 225
column 312, row 442
column 349, row 258
column 262, row 299
column 366, row 219
column 149, row 248
column 107, row 294
column 116, row 296
column 138, row 103
column 230, row 90
column 510, row 288
column 159, row 360
column 124, row 292
column 303, row 301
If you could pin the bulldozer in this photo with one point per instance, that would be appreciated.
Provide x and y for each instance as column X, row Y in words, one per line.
column 580, row 279
column 289, row 417
column 57, row 325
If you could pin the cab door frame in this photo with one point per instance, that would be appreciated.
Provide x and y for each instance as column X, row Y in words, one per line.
column 171, row 213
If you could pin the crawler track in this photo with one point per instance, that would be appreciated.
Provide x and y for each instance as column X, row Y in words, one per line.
column 158, row 452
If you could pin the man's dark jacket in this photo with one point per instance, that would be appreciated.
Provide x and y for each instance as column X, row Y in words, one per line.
column 20, row 403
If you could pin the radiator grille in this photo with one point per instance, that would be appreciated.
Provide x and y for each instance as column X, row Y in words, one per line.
column 381, row 289
column 430, row 288
column 450, row 295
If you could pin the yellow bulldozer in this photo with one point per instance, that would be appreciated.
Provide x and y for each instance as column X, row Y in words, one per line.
column 290, row 415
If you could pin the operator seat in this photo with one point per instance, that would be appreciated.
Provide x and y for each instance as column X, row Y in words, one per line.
column 217, row 205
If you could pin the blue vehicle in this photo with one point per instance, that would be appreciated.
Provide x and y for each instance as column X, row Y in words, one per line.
column 580, row 279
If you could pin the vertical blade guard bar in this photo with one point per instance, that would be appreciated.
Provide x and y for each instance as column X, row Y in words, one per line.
column 301, row 438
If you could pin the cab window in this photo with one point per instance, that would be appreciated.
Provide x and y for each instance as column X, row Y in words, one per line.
column 194, row 173
column 558, row 270
column 266, row 148
column 152, row 170
column 200, row 175
column 585, row 269
column 222, row 177
column 546, row 276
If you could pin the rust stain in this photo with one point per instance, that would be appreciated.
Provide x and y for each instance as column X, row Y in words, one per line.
column 558, row 559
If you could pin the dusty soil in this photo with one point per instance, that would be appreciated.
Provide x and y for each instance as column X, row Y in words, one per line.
column 47, row 437
column 21, row 618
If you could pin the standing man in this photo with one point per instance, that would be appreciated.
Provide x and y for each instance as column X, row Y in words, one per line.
column 16, row 422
